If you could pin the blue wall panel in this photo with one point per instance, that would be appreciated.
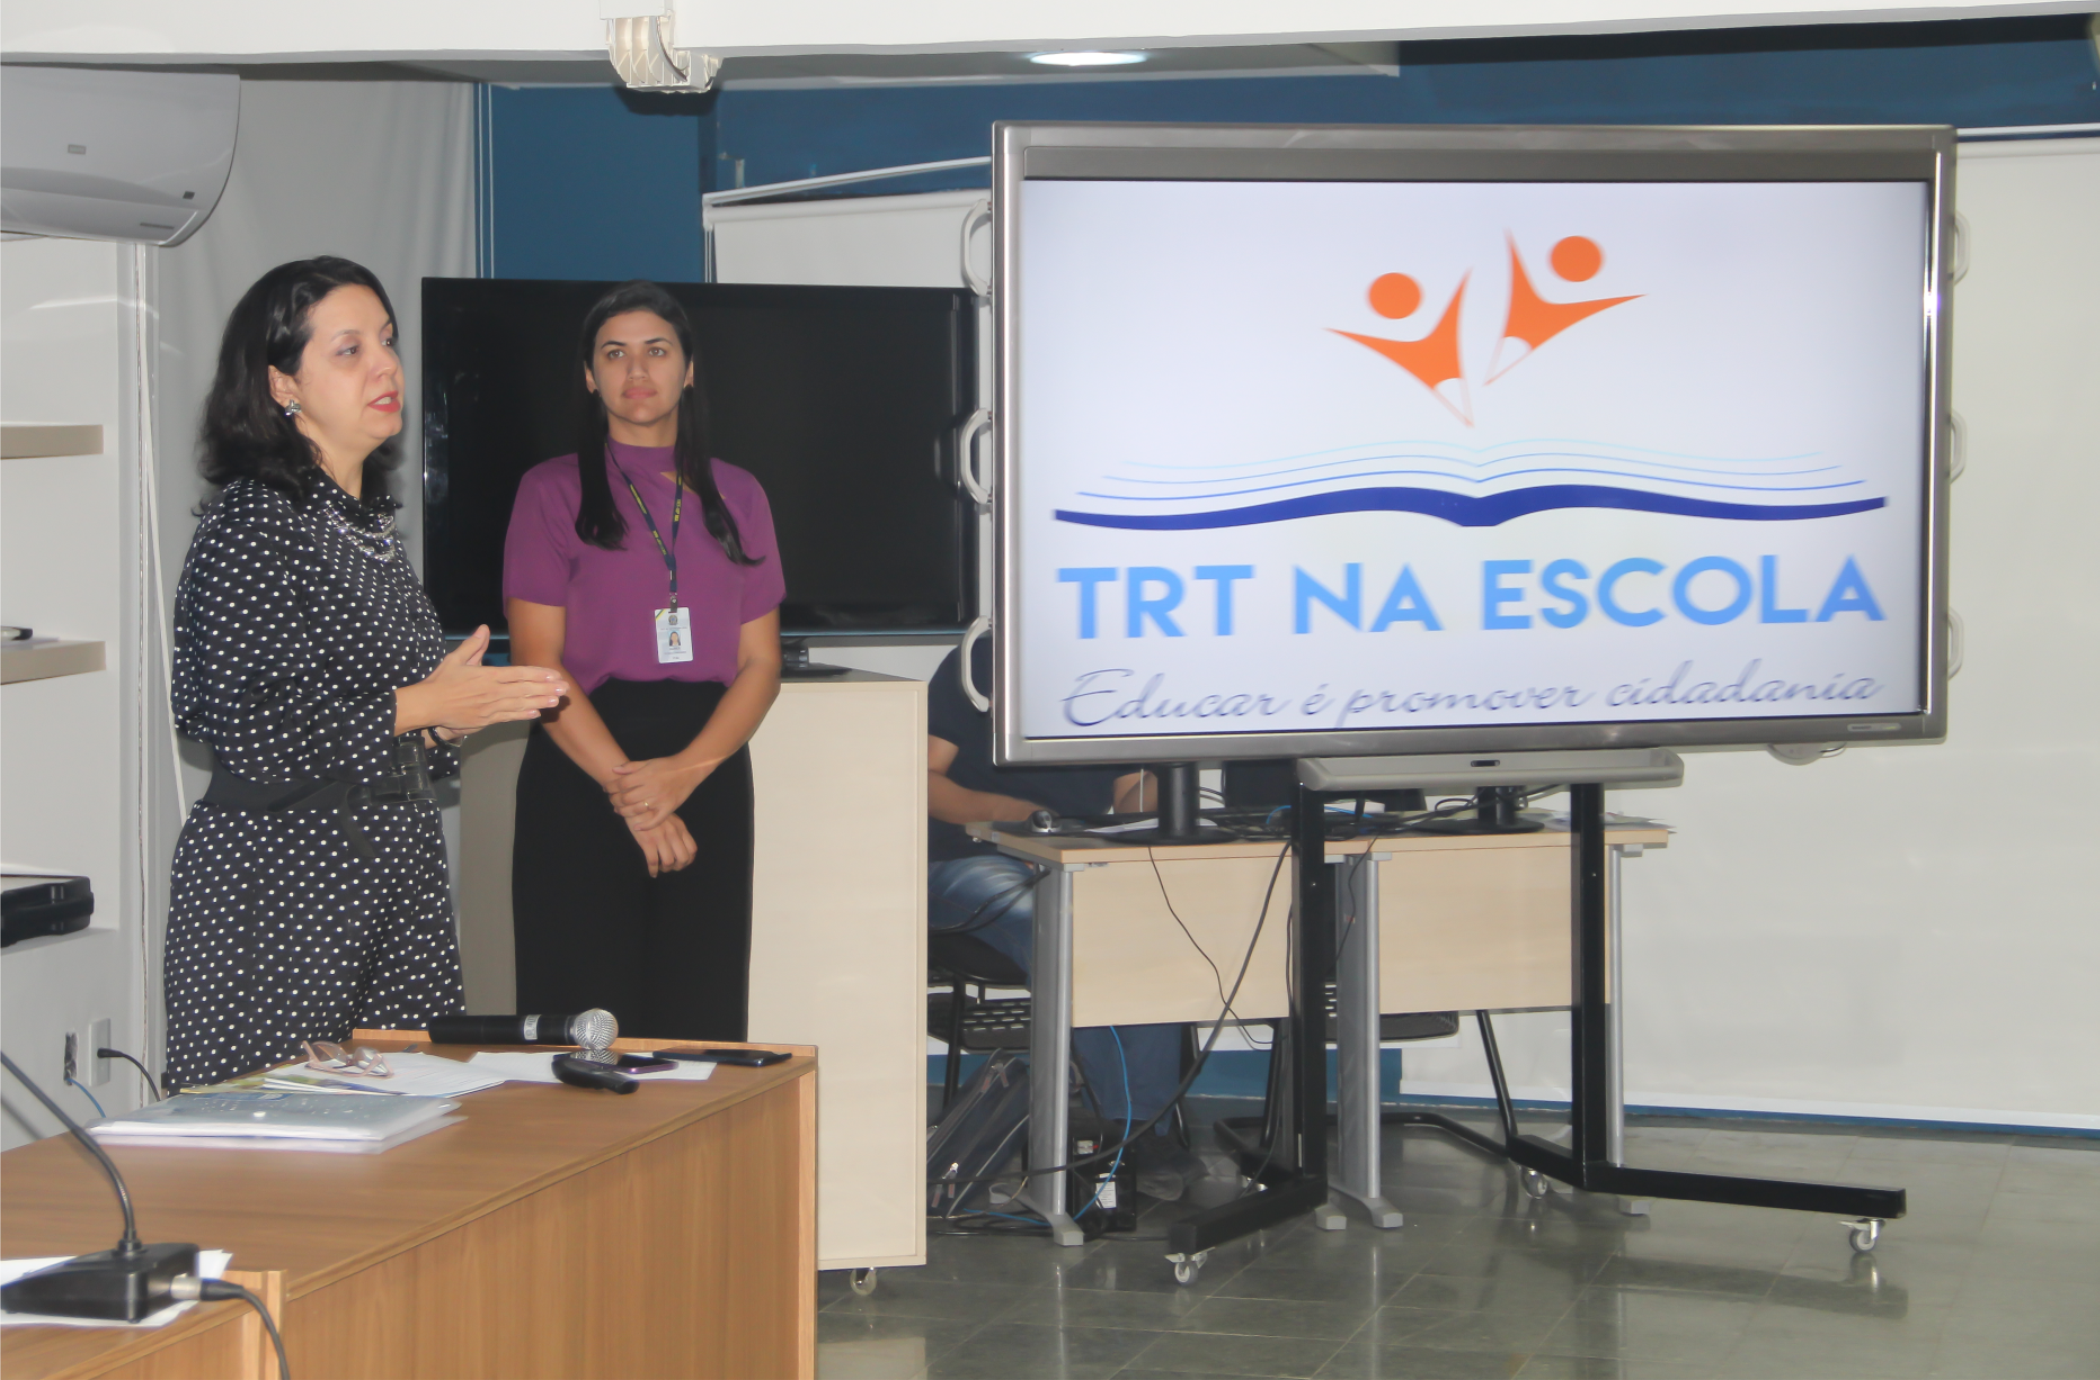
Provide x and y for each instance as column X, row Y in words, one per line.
column 1989, row 73
column 601, row 184
column 592, row 182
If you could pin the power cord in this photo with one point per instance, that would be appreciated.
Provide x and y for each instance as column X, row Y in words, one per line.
column 1217, row 978
column 217, row 1290
column 152, row 1088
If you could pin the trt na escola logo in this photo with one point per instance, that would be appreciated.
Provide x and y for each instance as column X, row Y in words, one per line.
column 1474, row 486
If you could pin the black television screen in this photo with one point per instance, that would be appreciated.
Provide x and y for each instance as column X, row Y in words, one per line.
column 846, row 402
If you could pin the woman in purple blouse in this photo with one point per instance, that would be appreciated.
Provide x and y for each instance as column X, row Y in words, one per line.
column 648, row 572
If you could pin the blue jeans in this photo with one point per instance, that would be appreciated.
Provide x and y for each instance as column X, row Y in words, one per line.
column 993, row 897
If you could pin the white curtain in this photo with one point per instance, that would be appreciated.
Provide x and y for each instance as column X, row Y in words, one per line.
column 381, row 172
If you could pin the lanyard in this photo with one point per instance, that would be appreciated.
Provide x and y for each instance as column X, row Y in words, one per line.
column 669, row 553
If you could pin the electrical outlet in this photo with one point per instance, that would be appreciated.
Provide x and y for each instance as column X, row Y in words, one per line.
column 98, row 1038
column 72, row 1067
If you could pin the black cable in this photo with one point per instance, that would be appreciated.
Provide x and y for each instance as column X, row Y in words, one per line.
column 216, row 1289
column 1187, row 1080
column 1217, row 978
column 152, row 1089
column 128, row 1244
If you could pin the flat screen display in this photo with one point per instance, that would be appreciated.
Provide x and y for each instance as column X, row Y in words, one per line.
column 1522, row 462
column 844, row 402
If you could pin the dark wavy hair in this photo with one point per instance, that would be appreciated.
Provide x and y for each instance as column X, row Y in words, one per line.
column 244, row 432
column 598, row 518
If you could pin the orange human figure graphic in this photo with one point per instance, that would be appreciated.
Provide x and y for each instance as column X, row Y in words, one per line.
column 1533, row 320
column 1434, row 358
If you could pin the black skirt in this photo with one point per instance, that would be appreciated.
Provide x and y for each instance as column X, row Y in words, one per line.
column 669, row 956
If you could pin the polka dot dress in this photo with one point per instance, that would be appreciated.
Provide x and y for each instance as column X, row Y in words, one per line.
column 291, row 635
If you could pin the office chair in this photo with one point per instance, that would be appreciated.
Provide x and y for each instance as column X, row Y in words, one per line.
column 976, row 1025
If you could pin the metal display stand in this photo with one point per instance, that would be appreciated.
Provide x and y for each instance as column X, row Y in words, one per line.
column 1593, row 1160
column 1295, row 1179
column 1292, row 1165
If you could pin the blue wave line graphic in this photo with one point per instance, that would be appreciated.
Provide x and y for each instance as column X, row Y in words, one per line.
column 1481, row 450
column 1464, row 510
column 1463, row 479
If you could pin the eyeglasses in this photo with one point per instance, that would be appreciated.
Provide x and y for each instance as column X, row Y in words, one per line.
column 328, row 1057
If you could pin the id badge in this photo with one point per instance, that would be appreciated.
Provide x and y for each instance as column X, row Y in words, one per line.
column 674, row 635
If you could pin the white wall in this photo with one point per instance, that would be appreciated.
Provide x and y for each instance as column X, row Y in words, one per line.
column 67, row 569
column 1911, row 932
column 153, row 30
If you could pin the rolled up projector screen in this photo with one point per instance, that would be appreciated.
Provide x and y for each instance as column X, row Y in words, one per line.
column 1335, row 440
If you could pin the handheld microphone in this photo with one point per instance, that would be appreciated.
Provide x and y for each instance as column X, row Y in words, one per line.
column 121, row 1285
column 581, row 1071
column 593, row 1029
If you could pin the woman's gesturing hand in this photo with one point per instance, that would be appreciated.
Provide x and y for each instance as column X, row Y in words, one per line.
column 462, row 695
column 667, row 848
column 646, row 792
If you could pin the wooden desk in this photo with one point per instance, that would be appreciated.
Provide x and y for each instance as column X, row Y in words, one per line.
column 1467, row 923
column 553, row 1232
column 1456, row 922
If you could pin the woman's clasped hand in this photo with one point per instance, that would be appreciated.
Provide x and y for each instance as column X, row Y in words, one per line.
column 463, row 695
column 666, row 847
column 649, row 791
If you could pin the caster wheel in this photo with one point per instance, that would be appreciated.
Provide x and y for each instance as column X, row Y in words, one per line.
column 1187, row 1267
column 862, row 1282
column 1535, row 1184
column 1865, row 1233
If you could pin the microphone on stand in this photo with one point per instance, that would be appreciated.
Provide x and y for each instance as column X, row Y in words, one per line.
column 121, row 1285
column 593, row 1029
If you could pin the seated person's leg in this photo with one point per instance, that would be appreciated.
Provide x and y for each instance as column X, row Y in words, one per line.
column 990, row 897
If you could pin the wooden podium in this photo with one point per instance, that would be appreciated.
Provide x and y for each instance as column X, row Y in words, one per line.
column 554, row 1232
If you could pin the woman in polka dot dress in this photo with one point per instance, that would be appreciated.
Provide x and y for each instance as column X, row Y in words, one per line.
column 309, row 892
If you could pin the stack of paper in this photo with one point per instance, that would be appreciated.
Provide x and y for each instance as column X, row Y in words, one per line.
column 414, row 1075
column 279, row 1121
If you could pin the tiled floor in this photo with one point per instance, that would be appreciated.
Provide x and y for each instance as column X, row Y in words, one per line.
column 1995, row 1273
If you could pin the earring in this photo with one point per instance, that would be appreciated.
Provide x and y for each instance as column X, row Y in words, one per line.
column 291, row 409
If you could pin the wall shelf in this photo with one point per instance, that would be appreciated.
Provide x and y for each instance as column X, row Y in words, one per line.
column 38, row 442
column 43, row 660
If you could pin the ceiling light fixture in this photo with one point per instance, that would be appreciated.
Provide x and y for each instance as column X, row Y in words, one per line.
column 1087, row 59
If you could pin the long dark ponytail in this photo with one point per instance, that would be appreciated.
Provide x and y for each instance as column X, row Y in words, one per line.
column 599, row 520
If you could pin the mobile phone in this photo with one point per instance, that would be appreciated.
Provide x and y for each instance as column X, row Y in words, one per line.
column 644, row 1063
column 746, row 1058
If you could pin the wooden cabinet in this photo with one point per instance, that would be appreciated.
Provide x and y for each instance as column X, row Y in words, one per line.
column 838, row 934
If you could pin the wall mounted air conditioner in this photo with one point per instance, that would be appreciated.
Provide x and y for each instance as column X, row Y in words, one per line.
column 107, row 155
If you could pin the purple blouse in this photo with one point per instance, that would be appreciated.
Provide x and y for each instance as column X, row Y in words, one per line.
column 612, row 596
